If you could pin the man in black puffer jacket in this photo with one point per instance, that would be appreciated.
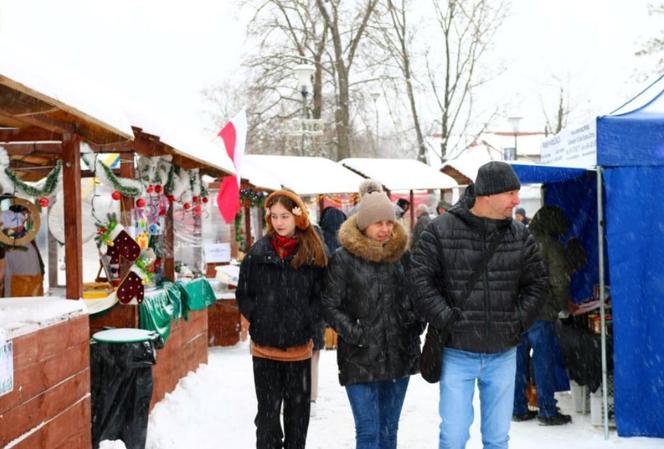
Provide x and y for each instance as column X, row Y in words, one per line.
column 485, row 329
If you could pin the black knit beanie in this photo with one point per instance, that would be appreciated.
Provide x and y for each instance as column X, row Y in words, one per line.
column 496, row 177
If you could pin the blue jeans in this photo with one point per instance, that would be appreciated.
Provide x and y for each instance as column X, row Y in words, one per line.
column 542, row 338
column 494, row 374
column 376, row 409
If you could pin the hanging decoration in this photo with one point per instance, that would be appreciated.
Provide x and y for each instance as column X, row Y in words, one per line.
column 129, row 188
column 140, row 274
column 11, row 183
column 252, row 198
column 20, row 224
column 114, row 241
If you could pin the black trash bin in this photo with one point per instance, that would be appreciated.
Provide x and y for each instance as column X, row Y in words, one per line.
column 121, row 385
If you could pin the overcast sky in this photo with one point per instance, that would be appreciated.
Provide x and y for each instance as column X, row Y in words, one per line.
column 162, row 53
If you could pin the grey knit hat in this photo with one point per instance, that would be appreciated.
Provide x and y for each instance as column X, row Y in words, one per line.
column 496, row 177
column 374, row 206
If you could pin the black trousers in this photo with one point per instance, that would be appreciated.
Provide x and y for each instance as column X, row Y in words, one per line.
column 276, row 383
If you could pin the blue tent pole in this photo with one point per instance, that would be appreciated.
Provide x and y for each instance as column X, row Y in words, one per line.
column 602, row 308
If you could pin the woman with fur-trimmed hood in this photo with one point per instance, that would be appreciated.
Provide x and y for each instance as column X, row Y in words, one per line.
column 365, row 300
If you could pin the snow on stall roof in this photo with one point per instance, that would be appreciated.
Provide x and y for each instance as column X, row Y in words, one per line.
column 67, row 91
column 186, row 142
column 19, row 316
column 305, row 175
column 257, row 175
column 472, row 158
column 400, row 174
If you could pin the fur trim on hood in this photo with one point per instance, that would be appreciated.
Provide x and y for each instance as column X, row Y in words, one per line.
column 358, row 244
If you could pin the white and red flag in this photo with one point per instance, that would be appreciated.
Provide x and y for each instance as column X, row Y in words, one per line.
column 234, row 135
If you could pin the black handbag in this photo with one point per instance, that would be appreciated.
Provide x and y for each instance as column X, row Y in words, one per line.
column 431, row 360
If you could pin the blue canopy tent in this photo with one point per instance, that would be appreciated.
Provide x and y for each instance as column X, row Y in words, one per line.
column 629, row 180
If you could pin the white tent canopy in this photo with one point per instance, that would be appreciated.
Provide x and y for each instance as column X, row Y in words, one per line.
column 303, row 175
column 400, row 174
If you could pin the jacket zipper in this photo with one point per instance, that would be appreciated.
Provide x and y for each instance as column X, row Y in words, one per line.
column 487, row 305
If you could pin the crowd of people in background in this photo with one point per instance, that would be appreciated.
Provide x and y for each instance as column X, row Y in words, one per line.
column 492, row 283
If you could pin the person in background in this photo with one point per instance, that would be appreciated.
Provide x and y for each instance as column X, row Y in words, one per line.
column 423, row 219
column 520, row 215
column 366, row 301
column 403, row 205
column 24, row 266
column 484, row 331
column 442, row 207
column 279, row 294
column 547, row 227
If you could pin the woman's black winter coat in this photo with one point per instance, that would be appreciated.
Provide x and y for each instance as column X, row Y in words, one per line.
column 282, row 304
column 366, row 301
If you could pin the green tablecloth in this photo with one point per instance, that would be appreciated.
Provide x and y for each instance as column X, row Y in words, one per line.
column 173, row 301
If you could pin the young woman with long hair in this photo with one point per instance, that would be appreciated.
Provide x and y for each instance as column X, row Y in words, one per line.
column 279, row 294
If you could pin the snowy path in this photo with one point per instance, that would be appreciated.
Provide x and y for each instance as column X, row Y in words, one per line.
column 214, row 408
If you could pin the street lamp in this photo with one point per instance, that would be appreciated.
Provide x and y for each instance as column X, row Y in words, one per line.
column 514, row 121
column 304, row 72
column 375, row 95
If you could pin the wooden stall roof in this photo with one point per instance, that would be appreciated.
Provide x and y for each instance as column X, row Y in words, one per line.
column 34, row 96
column 303, row 175
column 400, row 174
column 156, row 135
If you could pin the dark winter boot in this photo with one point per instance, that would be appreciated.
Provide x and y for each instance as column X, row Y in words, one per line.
column 556, row 420
column 518, row 417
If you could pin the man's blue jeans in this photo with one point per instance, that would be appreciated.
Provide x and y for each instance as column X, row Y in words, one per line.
column 542, row 338
column 494, row 374
column 376, row 409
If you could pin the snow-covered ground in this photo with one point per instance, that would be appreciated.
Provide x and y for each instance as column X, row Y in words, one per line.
column 214, row 408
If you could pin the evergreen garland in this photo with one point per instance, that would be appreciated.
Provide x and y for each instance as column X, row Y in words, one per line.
column 49, row 184
column 128, row 191
column 253, row 198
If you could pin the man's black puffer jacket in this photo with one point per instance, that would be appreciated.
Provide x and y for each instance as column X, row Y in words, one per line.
column 281, row 303
column 366, row 301
column 503, row 302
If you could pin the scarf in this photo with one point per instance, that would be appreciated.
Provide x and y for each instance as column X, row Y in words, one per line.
column 283, row 246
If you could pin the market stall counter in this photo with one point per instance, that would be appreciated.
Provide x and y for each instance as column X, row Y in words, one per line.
column 178, row 313
column 44, row 374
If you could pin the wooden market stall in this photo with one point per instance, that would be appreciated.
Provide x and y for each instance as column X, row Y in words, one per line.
column 176, row 310
column 44, row 342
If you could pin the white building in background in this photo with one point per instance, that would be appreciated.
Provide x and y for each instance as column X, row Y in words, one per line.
column 494, row 146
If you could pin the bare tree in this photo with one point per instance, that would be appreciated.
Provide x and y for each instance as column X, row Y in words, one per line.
column 554, row 123
column 347, row 27
column 455, row 71
column 654, row 46
column 396, row 39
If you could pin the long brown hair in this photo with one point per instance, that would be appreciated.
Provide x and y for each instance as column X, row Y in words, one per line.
column 310, row 247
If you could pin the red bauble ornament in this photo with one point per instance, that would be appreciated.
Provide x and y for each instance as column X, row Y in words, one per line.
column 149, row 189
column 116, row 195
column 195, row 199
column 140, row 202
column 162, row 211
column 198, row 211
column 43, row 202
column 171, row 198
column 205, row 199
column 186, row 206
column 157, row 188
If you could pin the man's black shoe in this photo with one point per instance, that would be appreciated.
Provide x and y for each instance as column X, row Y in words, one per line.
column 556, row 420
column 518, row 417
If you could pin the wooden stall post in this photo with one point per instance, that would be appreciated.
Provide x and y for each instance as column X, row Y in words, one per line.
column 169, row 244
column 71, row 181
column 126, row 171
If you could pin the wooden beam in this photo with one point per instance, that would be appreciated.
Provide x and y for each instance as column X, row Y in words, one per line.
column 169, row 246
column 23, row 148
column 126, row 171
column 71, row 182
column 147, row 145
column 29, row 134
